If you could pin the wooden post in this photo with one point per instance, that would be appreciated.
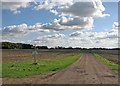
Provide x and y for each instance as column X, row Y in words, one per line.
column 34, row 55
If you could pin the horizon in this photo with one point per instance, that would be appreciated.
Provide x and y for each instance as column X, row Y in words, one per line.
column 58, row 47
column 51, row 23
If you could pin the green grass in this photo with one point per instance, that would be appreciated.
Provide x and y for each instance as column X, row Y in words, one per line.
column 111, row 64
column 0, row 70
column 24, row 69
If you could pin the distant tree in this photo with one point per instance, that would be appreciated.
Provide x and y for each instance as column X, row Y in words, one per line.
column 42, row 47
column 8, row 45
column 70, row 48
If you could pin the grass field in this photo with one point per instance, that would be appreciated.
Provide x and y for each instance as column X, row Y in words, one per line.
column 23, row 69
column 0, row 70
column 109, row 63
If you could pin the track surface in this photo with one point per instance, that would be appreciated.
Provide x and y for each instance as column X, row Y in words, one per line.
column 86, row 70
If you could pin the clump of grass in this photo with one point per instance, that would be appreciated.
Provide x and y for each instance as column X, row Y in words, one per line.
column 111, row 64
column 23, row 69
column 0, row 70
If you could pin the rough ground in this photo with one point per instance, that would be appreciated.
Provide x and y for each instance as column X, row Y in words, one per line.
column 87, row 70
column 112, row 57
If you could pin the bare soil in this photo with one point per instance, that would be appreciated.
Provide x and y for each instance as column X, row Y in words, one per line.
column 112, row 57
column 86, row 70
column 26, row 55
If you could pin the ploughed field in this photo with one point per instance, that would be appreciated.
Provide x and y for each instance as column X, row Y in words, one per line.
column 60, row 67
column 111, row 55
column 26, row 55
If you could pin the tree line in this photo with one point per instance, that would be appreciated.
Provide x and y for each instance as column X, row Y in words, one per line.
column 9, row 45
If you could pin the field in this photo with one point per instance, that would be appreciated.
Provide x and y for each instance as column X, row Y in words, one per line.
column 18, row 65
column 60, row 67
column 26, row 55
column 111, row 64
column 112, row 55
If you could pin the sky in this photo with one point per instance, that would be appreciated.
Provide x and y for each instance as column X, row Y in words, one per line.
column 90, row 24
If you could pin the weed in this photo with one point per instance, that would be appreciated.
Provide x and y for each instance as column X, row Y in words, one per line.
column 111, row 64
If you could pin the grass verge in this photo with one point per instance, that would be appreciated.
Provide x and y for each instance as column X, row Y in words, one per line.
column 24, row 69
column 0, row 70
column 105, row 61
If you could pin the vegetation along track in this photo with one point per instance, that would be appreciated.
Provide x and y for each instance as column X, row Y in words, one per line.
column 111, row 64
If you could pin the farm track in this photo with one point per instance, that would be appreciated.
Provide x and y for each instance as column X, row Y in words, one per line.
column 86, row 70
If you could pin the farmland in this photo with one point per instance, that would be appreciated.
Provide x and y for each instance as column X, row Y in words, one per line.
column 111, row 55
column 20, row 65
column 60, row 67
column 26, row 55
column 111, row 64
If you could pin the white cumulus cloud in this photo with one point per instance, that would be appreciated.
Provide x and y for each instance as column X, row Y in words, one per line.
column 93, row 8
column 73, row 14
column 21, row 30
column 65, row 23
column 14, row 5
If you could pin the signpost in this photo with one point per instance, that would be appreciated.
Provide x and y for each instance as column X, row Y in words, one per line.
column 34, row 53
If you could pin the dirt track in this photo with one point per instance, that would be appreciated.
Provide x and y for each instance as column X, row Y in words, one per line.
column 87, row 70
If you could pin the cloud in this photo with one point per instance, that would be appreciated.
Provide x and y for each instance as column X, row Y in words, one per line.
column 45, row 5
column 21, row 30
column 82, row 39
column 89, row 39
column 53, row 36
column 70, row 17
column 38, row 28
column 50, row 4
column 94, row 8
column 97, row 39
column 15, row 5
column 17, row 12
column 88, row 8
column 73, row 14
column 116, row 25
column 54, row 12
column 15, row 30
column 51, row 40
column 83, row 23
column 66, row 23
column 96, row 35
